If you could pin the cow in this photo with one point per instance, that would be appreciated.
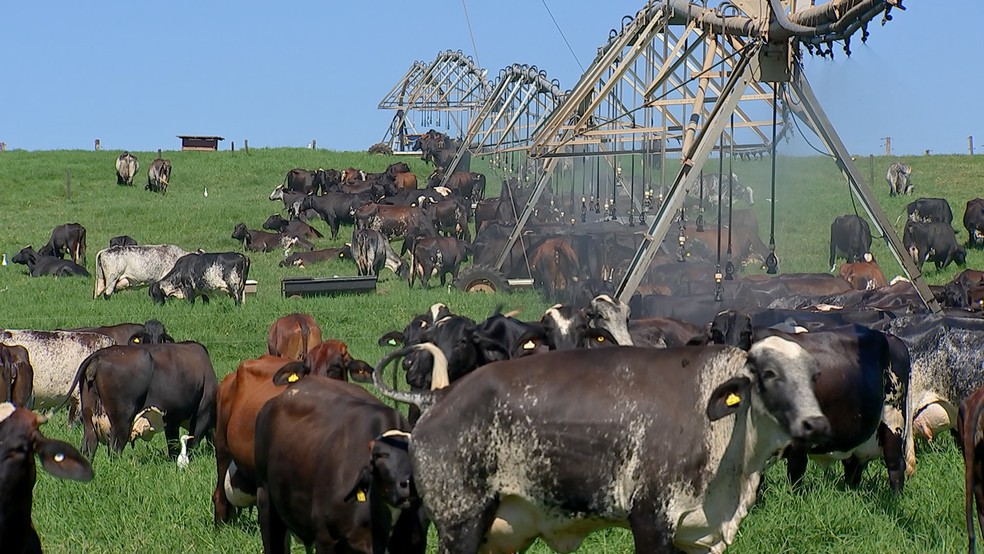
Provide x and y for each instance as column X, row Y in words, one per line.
column 371, row 252
column 436, row 255
column 675, row 456
column 391, row 221
column 66, row 239
column 39, row 265
column 973, row 221
column 465, row 184
column 240, row 396
column 150, row 332
column 970, row 436
column 898, row 177
column 293, row 336
column 850, row 236
column 292, row 202
column 159, row 176
column 863, row 275
column 359, row 498
column 122, row 240
column 55, row 356
column 554, row 265
column 20, row 441
column 662, row 332
column 414, row 331
column 451, row 216
column 293, row 227
column 300, row 259
column 262, row 241
column 127, row 166
column 611, row 314
column 16, row 376
column 934, row 242
column 130, row 392
column 335, row 208
column 930, row 209
column 863, row 388
column 121, row 267
column 304, row 181
column 197, row 274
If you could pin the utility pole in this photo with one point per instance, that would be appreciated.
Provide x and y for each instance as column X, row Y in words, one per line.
column 888, row 145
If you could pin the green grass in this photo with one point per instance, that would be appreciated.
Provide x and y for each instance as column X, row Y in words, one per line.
column 141, row 502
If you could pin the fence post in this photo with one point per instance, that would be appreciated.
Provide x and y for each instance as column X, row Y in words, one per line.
column 158, row 153
column 68, row 183
column 314, row 144
column 888, row 146
column 98, row 146
column 970, row 144
column 871, row 169
column 246, row 146
column 233, row 146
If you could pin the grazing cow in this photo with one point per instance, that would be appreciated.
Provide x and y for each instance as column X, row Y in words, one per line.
column 970, row 433
column 20, row 440
column 262, row 241
column 850, row 236
column 293, row 336
column 121, row 267
column 437, row 256
column 316, row 256
column 705, row 434
column 863, row 275
column 159, row 176
column 554, row 265
column 132, row 391
column 934, row 242
column 354, row 499
column 66, row 239
column 55, row 356
column 39, row 265
column 928, row 210
column 293, row 227
column 122, row 240
column 371, row 252
column 898, row 176
column 196, row 274
column 16, row 376
column 240, row 396
column 127, row 166
column 151, row 332
column 973, row 221
column 335, row 208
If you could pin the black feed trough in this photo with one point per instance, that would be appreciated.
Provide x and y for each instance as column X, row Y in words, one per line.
column 311, row 286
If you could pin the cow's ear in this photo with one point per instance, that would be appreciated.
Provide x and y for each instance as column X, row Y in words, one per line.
column 728, row 398
column 393, row 338
column 361, row 488
column 290, row 373
column 62, row 459
column 529, row 342
column 598, row 337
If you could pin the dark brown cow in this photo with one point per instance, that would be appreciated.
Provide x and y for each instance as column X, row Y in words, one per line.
column 440, row 255
column 293, row 227
column 970, row 430
column 66, row 239
column 863, row 275
column 356, row 498
column 300, row 259
column 262, row 241
column 16, row 375
column 391, row 221
column 151, row 332
column 973, row 221
column 20, row 440
column 554, row 265
column 293, row 336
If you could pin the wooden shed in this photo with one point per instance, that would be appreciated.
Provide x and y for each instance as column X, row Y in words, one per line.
column 207, row 144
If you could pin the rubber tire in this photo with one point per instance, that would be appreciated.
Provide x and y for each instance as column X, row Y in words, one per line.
column 481, row 278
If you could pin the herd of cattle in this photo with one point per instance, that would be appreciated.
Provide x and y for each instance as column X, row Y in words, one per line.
column 659, row 415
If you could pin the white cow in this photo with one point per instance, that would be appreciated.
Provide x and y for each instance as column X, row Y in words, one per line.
column 124, row 266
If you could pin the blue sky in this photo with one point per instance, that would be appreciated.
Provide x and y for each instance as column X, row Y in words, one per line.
column 135, row 74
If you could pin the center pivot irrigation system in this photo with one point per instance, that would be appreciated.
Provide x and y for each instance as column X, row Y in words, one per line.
column 680, row 81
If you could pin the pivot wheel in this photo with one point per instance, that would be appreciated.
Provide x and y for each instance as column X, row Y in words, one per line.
column 481, row 279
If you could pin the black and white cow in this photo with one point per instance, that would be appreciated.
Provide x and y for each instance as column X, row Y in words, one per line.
column 935, row 242
column 371, row 252
column 197, row 274
column 120, row 267
column 850, row 236
column 39, row 265
column 675, row 456
column 928, row 210
column 898, row 177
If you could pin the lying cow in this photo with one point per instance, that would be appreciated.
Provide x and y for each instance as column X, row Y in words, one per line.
column 20, row 441
column 133, row 391
column 66, row 239
column 262, row 241
column 300, row 259
column 293, row 336
column 293, row 227
column 39, row 265
column 705, row 436
column 197, row 274
column 16, row 376
column 122, row 267
column 863, row 275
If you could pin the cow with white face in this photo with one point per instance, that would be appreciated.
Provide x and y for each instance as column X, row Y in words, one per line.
column 669, row 443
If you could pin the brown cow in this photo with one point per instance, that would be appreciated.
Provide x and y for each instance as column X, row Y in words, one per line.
column 405, row 181
column 970, row 426
column 239, row 398
column 863, row 275
column 554, row 265
column 293, row 336
column 17, row 375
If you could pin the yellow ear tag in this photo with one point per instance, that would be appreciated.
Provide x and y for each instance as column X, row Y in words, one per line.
column 391, row 342
column 293, row 378
column 529, row 345
column 360, row 496
column 136, row 341
column 600, row 339
column 732, row 400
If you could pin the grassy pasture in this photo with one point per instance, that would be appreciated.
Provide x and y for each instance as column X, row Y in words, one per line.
column 141, row 502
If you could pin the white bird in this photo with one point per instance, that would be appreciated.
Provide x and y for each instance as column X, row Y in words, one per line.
column 4, row 260
column 183, row 456
column 206, row 192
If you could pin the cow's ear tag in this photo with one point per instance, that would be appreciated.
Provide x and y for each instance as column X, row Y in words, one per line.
column 293, row 378
column 529, row 345
column 600, row 338
column 732, row 400
column 360, row 496
column 136, row 341
column 391, row 342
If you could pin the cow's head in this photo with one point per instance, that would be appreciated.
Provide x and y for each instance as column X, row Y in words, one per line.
column 388, row 475
column 152, row 333
column 331, row 359
column 611, row 314
column 156, row 292
column 457, row 337
column 278, row 193
column 240, row 232
column 960, row 255
column 16, row 375
column 731, row 328
column 275, row 222
column 26, row 256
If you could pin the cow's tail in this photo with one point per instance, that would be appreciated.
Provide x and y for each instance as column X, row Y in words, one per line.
column 100, row 285
column 439, row 377
column 305, row 332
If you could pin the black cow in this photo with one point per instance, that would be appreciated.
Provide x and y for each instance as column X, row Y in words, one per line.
column 39, row 265
column 293, row 227
column 451, row 216
column 20, row 441
column 197, row 274
column 130, row 392
column 16, row 375
column 66, row 239
column 335, row 208
column 851, row 236
column 359, row 498
column 122, row 240
column 973, row 221
column 936, row 242
column 300, row 259
column 150, row 332
column 413, row 332
column 930, row 209
column 437, row 255
column 304, row 181
column 372, row 251
column 559, row 471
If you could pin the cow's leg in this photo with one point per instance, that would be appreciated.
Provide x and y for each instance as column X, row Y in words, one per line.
column 89, row 440
column 795, row 464
column 172, row 432
column 893, row 451
column 854, row 470
column 650, row 529
column 465, row 535
column 272, row 528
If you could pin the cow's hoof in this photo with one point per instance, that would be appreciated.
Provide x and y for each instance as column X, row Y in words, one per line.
column 481, row 279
